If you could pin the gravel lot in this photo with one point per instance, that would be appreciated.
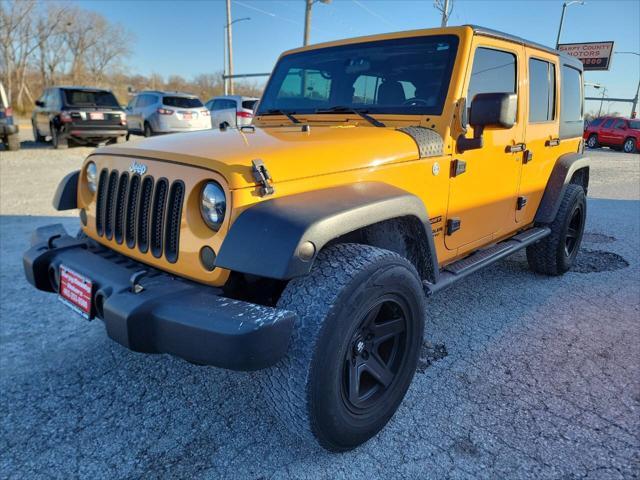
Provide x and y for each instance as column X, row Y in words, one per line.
column 522, row 376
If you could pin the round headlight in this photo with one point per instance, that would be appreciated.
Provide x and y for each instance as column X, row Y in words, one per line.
column 92, row 177
column 213, row 205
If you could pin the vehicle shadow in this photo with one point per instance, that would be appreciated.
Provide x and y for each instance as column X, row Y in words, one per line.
column 68, row 388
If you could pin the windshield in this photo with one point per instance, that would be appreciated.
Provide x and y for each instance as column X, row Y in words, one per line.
column 90, row 98
column 399, row 76
column 182, row 102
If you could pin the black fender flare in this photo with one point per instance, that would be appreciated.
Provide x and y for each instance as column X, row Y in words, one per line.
column 66, row 196
column 561, row 175
column 269, row 239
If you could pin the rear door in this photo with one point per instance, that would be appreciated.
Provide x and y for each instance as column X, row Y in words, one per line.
column 483, row 197
column 542, row 132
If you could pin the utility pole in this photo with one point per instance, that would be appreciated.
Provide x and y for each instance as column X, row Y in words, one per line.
column 604, row 91
column 634, row 105
column 307, row 19
column 229, row 48
column 564, row 7
column 446, row 7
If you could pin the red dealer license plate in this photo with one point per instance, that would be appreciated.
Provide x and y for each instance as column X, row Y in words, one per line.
column 75, row 291
column 96, row 115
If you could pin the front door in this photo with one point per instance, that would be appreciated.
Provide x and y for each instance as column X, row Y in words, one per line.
column 618, row 132
column 482, row 198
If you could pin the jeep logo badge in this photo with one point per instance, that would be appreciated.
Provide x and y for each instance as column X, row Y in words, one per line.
column 139, row 168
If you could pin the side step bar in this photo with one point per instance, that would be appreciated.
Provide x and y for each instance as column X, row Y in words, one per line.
column 482, row 258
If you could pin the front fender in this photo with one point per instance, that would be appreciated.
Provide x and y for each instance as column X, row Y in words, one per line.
column 266, row 239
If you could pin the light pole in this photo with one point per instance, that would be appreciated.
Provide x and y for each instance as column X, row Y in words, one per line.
column 634, row 112
column 228, row 82
column 598, row 86
column 307, row 19
column 564, row 7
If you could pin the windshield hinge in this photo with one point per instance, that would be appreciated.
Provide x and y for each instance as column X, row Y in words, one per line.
column 262, row 176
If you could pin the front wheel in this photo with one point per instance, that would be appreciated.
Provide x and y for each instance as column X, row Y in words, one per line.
column 630, row 145
column 556, row 253
column 354, row 348
column 148, row 131
column 592, row 141
column 13, row 142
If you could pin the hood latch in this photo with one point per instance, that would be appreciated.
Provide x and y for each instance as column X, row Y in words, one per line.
column 262, row 176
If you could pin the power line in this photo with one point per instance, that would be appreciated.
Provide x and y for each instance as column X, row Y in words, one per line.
column 374, row 14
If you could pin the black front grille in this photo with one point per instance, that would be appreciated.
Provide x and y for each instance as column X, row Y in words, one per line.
column 131, row 210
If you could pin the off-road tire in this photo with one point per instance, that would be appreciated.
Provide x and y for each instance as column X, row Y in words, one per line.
column 13, row 142
column 57, row 142
column 305, row 389
column 630, row 146
column 592, row 141
column 147, row 130
column 549, row 256
column 36, row 134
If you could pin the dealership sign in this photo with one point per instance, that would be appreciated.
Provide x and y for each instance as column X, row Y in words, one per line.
column 593, row 55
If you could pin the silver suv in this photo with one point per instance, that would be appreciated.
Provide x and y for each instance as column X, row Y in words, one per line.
column 235, row 110
column 152, row 112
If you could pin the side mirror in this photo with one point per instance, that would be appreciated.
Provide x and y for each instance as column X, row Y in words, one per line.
column 39, row 103
column 489, row 110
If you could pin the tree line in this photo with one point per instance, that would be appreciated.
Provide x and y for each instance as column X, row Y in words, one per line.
column 48, row 43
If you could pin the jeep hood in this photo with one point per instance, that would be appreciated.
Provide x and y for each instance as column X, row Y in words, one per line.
column 288, row 152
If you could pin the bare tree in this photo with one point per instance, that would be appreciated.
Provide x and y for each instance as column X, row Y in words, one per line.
column 111, row 45
column 52, row 53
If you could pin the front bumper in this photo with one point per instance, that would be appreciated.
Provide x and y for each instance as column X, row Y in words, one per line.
column 168, row 314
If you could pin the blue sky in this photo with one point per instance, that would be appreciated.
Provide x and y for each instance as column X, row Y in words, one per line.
column 185, row 37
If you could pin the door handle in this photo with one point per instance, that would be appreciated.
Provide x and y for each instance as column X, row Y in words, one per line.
column 518, row 147
column 553, row 142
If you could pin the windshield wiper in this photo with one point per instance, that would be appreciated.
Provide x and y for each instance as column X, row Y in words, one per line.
column 277, row 111
column 357, row 111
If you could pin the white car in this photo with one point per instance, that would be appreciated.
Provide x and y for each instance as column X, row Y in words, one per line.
column 152, row 112
column 235, row 110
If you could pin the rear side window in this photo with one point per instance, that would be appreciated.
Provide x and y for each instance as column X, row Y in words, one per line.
column 181, row 102
column 89, row 98
column 596, row 122
column 542, row 90
column 494, row 71
column 571, row 94
column 608, row 123
column 248, row 104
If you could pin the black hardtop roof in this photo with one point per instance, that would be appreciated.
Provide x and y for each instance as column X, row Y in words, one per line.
column 488, row 32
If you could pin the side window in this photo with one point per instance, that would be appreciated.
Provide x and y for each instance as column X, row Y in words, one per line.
column 608, row 123
column 619, row 124
column 494, row 71
column 309, row 84
column 217, row 105
column 596, row 122
column 571, row 94
column 365, row 88
column 230, row 104
column 542, row 90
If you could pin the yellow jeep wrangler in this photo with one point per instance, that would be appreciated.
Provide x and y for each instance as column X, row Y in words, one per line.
column 378, row 171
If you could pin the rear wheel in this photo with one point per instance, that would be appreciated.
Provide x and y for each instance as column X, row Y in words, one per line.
column 592, row 141
column 630, row 145
column 13, row 142
column 354, row 348
column 556, row 253
column 148, row 131
column 57, row 140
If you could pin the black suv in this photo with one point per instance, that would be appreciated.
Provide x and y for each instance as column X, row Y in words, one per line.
column 79, row 115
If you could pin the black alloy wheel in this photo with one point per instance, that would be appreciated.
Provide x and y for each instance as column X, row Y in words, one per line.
column 375, row 355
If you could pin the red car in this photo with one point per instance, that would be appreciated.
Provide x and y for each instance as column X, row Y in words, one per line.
column 615, row 132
